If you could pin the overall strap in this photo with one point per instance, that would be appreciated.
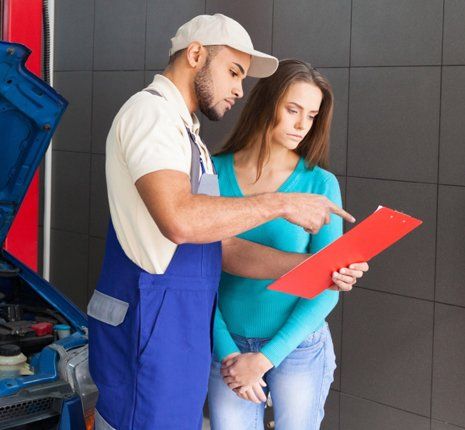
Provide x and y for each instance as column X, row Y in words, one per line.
column 195, row 159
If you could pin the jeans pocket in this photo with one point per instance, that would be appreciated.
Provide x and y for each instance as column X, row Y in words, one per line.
column 315, row 340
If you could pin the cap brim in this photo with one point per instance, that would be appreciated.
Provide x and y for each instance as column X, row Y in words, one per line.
column 262, row 65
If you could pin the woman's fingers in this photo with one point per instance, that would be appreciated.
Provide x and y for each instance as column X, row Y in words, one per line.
column 227, row 371
column 227, row 363
column 233, row 385
column 351, row 272
column 341, row 287
column 338, row 278
column 229, row 380
column 251, row 395
column 240, row 394
column 259, row 392
column 364, row 267
column 348, row 276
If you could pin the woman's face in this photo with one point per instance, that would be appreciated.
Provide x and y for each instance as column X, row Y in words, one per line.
column 296, row 112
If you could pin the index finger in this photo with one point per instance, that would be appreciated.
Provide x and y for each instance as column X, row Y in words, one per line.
column 335, row 209
column 259, row 393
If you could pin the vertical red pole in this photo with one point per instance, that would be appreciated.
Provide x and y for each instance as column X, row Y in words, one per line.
column 23, row 24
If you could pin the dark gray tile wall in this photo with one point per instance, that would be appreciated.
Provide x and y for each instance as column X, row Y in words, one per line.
column 439, row 425
column 119, row 41
column 387, row 349
column 162, row 24
column 74, row 130
column 454, row 32
column 450, row 265
column 361, row 414
column 398, row 72
column 452, row 148
column 449, row 372
column 339, row 79
column 74, row 23
column 313, row 31
column 394, row 123
column 70, row 203
column 69, row 256
column 256, row 17
column 396, row 32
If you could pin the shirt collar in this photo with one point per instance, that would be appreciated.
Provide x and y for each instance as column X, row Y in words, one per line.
column 171, row 93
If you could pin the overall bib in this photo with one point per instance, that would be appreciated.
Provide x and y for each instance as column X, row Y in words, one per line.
column 150, row 335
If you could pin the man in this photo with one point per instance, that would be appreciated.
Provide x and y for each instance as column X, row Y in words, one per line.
column 150, row 316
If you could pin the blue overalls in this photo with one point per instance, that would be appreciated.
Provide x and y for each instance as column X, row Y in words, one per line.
column 150, row 335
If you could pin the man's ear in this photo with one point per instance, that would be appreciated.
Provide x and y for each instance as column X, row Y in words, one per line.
column 195, row 54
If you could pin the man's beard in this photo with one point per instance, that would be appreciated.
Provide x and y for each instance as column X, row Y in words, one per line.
column 203, row 87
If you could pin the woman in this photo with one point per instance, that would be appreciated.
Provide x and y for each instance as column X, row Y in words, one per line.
column 279, row 144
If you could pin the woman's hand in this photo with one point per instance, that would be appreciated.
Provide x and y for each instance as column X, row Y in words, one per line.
column 228, row 357
column 253, row 393
column 345, row 279
column 244, row 369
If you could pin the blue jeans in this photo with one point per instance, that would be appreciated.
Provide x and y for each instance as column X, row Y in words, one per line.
column 298, row 387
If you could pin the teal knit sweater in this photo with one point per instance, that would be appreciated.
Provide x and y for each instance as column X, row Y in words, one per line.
column 245, row 306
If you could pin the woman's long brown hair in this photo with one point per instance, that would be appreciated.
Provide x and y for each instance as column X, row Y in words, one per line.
column 259, row 116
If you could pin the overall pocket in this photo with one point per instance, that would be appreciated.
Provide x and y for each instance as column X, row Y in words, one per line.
column 151, row 301
column 107, row 309
column 111, row 328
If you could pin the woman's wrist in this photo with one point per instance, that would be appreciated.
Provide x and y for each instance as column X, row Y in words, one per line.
column 265, row 363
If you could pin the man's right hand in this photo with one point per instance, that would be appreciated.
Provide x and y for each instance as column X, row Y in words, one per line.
column 312, row 211
column 186, row 218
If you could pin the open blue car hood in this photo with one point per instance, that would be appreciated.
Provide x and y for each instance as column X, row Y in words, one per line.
column 29, row 113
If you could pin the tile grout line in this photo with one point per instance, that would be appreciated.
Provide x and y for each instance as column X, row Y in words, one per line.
column 272, row 26
column 366, row 399
column 145, row 35
column 346, row 201
column 437, row 215
column 91, row 159
column 411, row 297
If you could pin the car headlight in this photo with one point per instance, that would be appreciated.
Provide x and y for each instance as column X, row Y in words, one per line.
column 74, row 368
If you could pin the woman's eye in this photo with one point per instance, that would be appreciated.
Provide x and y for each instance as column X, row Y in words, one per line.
column 292, row 111
column 311, row 117
column 233, row 73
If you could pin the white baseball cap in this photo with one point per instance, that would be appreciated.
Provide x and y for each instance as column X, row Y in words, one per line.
column 219, row 29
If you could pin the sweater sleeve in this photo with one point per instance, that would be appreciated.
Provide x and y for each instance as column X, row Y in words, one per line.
column 308, row 314
column 223, row 343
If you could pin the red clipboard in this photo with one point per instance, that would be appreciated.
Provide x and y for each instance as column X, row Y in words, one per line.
column 373, row 235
